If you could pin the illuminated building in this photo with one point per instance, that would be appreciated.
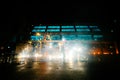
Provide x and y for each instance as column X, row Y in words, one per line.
column 97, row 39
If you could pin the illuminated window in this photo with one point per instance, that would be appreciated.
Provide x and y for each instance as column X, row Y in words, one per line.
column 55, row 37
column 93, row 26
column 33, row 30
column 36, row 37
column 53, row 30
column 81, row 26
column 84, row 37
column 69, row 37
column 68, row 30
column 53, row 26
column 67, row 26
column 38, row 30
column 41, row 30
column 98, row 37
column 40, row 27
column 72, row 37
column 79, row 30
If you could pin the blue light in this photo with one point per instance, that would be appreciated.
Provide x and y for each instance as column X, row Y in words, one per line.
column 69, row 37
column 96, row 29
column 79, row 30
column 68, row 30
column 98, row 36
column 33, row 37
column 53, row 30
column 84, row 37
column 55, row 37
column 38, row 30
column 53, row 26
column 81, row 26
column 40, row 27
column 93, row 26
column 33, row 30
column 37, row 37
column 67, row 26
column 41, row 30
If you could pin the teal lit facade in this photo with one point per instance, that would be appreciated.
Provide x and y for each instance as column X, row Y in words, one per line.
column 100, row 42
column 78, row 32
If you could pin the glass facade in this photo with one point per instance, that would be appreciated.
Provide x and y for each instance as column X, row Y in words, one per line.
column 74, row 36
column 72, row 32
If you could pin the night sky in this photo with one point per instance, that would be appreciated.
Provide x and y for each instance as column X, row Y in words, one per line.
column 18, row 16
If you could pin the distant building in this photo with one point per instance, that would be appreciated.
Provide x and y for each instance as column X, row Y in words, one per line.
column 98, row 40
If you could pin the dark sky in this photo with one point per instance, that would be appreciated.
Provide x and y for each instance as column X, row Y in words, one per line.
column 61, row 12
column 18, row 16
column 40, row 12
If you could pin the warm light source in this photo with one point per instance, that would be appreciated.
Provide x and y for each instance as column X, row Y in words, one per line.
column 37, row 34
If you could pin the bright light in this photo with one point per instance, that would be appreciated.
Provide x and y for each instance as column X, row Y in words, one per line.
column 37, row 34
column 60, row 51
column 37, row 55
column 63, row 39
column 23, row 56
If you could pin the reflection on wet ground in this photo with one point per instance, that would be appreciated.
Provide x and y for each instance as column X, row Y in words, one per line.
column 54, row 70
column 58, row 70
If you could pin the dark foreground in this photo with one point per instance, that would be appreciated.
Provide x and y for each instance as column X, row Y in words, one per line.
column 57, row 70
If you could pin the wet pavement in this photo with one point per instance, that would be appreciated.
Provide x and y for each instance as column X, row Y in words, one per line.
column 58, row 70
